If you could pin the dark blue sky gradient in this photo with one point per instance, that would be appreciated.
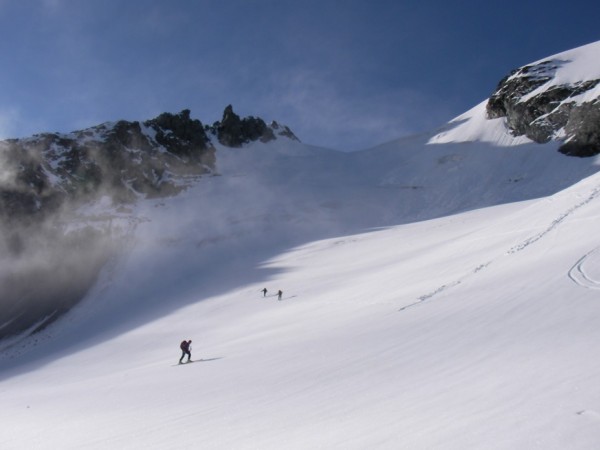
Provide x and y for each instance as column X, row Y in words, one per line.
column 342, row 74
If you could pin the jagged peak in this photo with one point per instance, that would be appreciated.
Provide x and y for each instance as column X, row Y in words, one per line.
column 234, row 131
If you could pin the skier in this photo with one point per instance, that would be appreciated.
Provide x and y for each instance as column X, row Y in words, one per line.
column 186, row 349
column 279, row 294
column 264, row 291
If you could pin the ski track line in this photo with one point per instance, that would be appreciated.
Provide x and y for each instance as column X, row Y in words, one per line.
column 424, row 298
column 556, row 222
column 576, row 273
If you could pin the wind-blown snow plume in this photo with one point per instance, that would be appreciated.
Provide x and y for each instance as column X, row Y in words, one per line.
column 64, row 201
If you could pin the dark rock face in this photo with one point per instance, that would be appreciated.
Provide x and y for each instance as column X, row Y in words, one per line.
column 123, row 160
column 283, row 130
column 545, row 114
column 181, row 135
column 584, row 128
column 232, row 131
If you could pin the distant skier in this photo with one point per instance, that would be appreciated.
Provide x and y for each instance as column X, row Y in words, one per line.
column 279, row 294
column 186, row 349
column 264, row 291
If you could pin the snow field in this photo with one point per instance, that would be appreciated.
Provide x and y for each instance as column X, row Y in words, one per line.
column 503, row 358
column 440, row 292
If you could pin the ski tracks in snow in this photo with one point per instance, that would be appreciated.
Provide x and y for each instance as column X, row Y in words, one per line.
column 577, row 273
column 424, row 298
column 556, row 222
column 445, row 287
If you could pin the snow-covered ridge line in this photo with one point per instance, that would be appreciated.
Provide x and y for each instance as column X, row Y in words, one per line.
column 578, row 64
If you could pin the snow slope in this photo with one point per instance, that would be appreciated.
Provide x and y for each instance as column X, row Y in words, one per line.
column 473, row 126
column 474, row 330
column 439, row 292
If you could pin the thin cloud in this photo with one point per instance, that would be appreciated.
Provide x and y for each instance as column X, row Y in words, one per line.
column 9, row 119
column 321, row 113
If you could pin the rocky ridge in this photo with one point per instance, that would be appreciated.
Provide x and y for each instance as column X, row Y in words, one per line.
column 158, row 157
column 537, row 106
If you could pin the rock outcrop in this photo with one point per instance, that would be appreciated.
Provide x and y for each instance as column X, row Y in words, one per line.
column 123, row 160
column 536, row 106
column 232, row 131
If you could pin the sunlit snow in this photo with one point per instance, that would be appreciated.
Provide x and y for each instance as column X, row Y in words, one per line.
column 439, row 292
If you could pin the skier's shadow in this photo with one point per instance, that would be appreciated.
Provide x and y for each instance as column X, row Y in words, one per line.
column 197, row 361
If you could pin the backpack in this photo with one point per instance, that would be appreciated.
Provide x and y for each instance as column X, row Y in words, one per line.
column 184, row 346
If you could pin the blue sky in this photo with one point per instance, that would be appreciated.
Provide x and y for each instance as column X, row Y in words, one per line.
column 342, row 74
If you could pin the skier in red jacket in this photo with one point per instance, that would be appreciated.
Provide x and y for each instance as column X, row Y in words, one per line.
column 186, row 349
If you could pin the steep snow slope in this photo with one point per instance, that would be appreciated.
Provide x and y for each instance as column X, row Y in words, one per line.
column 474, row 126
column 471, row 331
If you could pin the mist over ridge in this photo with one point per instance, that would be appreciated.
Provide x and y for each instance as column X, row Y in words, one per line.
column 52, row 249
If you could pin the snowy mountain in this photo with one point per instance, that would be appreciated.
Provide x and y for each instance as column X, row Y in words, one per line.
column 439, row 292
column 52, row 249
